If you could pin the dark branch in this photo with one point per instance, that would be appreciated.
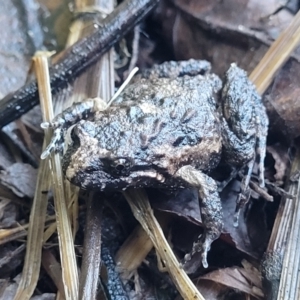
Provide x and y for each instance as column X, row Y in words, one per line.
column 77, row 58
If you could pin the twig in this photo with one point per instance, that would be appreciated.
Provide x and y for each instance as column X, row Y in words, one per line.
column 91, row 249
column 135, row 48
column 263, row 193
column 77, row 58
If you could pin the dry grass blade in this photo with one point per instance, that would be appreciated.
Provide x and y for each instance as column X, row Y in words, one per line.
column 289, row 287
column 8, row 235
column 136, row 247
column 98, row 81
column 31, row 269
column 281, row 261
column 285, row 235
column 36, row 226
column 142, row 211
column 133, row 252
column 67, row 253
column 276, row 56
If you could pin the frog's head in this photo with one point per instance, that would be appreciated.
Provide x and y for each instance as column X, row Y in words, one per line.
column 105, row 162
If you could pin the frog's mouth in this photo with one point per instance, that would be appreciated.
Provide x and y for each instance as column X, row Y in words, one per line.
column 84, row 165
column 101, row 180
column 95, row 180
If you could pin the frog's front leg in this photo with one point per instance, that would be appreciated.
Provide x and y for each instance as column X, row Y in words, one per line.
column 70, row 116
column 211, row 209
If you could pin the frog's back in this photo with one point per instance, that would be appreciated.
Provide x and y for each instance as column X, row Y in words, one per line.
column 166, row 123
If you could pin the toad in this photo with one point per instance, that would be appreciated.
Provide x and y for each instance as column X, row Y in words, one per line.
column 168, row 129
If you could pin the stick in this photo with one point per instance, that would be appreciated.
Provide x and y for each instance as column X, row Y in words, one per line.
column 78, row 58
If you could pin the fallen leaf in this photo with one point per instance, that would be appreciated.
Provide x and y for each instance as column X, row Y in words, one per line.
column 184, row 204
column 209, row 290
column 280, row 155
column 244, row 280
column 238, row 31
column 9, row 212
column 20, row 35
column 20, row 178
column 226, row 31
column 11, row 258
column 5, row 158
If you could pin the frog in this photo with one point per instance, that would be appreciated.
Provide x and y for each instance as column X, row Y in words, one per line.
column 169, row 129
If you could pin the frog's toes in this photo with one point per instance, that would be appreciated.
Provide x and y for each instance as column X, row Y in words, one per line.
column 46, row 125
column 55, row 143
column 56, row 123
column 202, row 245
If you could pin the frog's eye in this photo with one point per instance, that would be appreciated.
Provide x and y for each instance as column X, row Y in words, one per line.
column 122, row 165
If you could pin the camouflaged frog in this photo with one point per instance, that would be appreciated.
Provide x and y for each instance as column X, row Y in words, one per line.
column 167, row 130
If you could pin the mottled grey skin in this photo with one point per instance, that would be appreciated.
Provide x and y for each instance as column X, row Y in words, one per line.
column 168, row 133
column 149, row 133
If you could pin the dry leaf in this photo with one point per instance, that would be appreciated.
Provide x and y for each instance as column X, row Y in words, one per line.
column 20, row 178
column 244, row 280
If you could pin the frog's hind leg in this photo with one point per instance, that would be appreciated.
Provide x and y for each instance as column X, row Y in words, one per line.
column 211, row 209
column 244, row 195
column 261, row 142
column 244, row 129
column 259, row 156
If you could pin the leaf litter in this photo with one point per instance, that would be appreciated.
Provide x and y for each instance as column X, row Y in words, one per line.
column 206, row 30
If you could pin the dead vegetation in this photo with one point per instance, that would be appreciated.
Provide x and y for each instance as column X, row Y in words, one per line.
column 52, row 235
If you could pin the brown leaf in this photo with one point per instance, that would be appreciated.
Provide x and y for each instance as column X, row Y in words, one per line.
column 240, row 236
column 210, row 290
column 20, row 178
column 184, row 204
column 9, row 212
column 226, row 31
column 9, row 288
column 280, row 155
column 11, row 257
column 247, row 280
column 5, row 158
column 238, row 31
column 20, row 35
column 282, row 100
